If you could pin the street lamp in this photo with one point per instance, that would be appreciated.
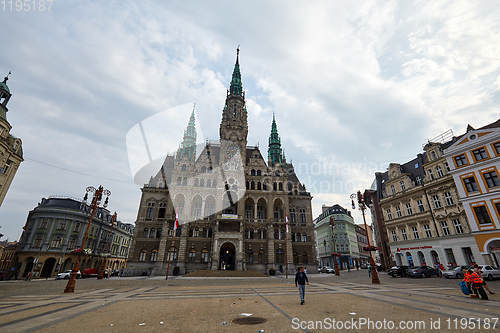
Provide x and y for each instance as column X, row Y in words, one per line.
column 335, row 254
column 96, row 201
column 362, row 206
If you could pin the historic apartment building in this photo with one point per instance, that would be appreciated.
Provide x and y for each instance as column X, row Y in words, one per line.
column 8, row 260
column 55, row 228
column 11, row 150
column 423, row 216
column 342, row 239
column 474, row 160
column 231, row 204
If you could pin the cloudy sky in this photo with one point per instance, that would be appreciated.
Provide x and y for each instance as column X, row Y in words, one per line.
column 353, row 85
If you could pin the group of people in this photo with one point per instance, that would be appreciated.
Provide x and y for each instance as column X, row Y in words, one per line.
column 473, row 279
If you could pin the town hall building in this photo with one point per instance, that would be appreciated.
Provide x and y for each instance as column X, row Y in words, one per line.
column 231, row 204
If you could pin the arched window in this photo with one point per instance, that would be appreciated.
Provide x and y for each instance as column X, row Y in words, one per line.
column 142, row 255
column 275, row 186
column 158, row 233
column 280, row 186
column 259, row 173
column 192, row 255
column 252, row 172
column 150, row 210
column 145, row 233
column 292, row 216
column 302, row 216
column 152, row 233
column 154, row 255
column 250, row 256
column 196, row 207
column 252, row 185
column 162, row 210
column 297, row 237
column 304, row 237
column 259, row 186
column 204, row 256
column 172, row 254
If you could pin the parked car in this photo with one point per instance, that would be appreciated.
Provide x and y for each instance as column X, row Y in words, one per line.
column 489, row 272
column 422, row 271
column 89, row 273
column 398, row 271
column 363, row 265
column 455, row 273
column 65, row 275
column 326, row 269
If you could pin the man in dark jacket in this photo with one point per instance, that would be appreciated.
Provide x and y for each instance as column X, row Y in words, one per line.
column 300, row 281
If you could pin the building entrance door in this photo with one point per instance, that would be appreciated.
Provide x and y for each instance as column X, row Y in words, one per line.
column 227, row 257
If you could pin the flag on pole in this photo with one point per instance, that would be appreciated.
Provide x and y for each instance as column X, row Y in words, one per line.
column 286, row 223
column 176, row 223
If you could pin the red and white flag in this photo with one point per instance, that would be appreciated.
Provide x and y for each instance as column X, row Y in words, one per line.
column 176, row 222
column 286, row 223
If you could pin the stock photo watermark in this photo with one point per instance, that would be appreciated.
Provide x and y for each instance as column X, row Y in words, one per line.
column 26, row 6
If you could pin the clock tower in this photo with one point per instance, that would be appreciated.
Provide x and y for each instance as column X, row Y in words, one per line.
column 234, row 126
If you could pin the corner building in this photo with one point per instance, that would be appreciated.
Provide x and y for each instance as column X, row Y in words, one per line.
column 231, row 204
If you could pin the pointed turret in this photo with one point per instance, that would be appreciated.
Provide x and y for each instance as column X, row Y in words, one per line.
column 188, row 145
column 274, row 153
column 236, row 87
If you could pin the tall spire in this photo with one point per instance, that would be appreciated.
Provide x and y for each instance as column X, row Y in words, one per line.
column 236, row 87
column 188, row 145
column 274, row 152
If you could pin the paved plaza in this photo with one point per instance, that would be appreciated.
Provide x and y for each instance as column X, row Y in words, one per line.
column 224, row 305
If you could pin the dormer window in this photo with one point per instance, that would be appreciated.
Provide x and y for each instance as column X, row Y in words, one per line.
column 433, row 155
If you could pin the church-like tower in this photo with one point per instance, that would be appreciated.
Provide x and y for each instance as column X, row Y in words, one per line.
column 274, row 152
column 234, row 126
column 188, row 145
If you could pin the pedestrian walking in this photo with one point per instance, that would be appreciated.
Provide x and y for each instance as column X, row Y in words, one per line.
column 369, row 271
column 300, row 282
column 480, row 273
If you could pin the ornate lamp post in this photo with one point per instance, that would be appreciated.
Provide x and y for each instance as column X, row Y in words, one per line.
column 361, row 204
column 96, row 201
column 335, row 254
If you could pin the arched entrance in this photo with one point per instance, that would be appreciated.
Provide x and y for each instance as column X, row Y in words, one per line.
column 227, row 257
column 435, row 257
column 399, row 262
column 48, row 266
column 493, row 248
column 29, row 266
column 409, row 258
column 67, row 265
column 421, row 258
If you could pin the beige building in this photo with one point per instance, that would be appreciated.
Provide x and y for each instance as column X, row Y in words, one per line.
column 474, row 160
column 11, row 151
column 231, row 204
column 425, row 221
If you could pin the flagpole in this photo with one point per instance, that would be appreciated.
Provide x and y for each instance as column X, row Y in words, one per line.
column 286, row 247
column 170, row 246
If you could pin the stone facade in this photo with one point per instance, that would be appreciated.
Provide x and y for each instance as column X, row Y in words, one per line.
column 424, row 219
column 55, row 228
column 11, row 150
column 231, row 205
column 474, row 160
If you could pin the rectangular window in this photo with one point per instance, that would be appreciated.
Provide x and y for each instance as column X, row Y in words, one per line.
column 448, row 198
column 398, row 211
column 394, row 236
column 420, row 206
column 408, row 209
column 491, row 179
column 447, row 166
column 444, row 227
column 418, row 180
column 461, row 160
column 470, row 184
column 393, row 190
column 437, row 203
column 496, row 146
column 458, row 226
column 429, row 173
column 480, row 154
column 497, row 206
column 389, row 215
column 415, row 232
column 402, row 183
column 403, row 234
column 439, row 171
column 482, row 215
column 427, row 230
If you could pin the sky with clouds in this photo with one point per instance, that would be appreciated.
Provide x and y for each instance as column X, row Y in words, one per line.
column 354, row 85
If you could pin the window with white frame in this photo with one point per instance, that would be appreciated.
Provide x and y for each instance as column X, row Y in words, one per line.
column 444, row 227
column 427, row 230
column 402, row 183
column 437, row 203
column 439, row 171
column 458, row 226
column 418, row 180
column 403, row 234
column 430, row 174
column 408, row 209
column 394, row 235
column 398, row 211
column 389, row 214
column 393, row 189
column 448, row 198
column 414, row 229
column 420, row 206
column 447, row 166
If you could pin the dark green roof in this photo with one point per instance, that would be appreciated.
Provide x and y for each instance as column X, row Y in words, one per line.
column 4, row 86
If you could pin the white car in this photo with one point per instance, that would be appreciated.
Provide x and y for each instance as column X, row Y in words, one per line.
column 65, row 275
column 489, row 272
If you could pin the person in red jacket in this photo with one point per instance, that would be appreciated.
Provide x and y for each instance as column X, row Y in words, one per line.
column 467, row 280
column 477, row 284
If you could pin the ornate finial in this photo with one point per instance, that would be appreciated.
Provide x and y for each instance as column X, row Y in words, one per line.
column 7, row 77
column 238, row 50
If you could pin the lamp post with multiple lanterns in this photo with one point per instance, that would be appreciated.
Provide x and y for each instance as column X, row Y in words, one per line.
column 96, row 201
column 362, row 206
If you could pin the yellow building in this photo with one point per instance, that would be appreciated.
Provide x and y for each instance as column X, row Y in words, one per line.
column 474, row 160
column 11, row 151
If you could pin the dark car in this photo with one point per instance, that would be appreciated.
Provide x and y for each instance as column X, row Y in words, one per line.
column 422, row 271
column 398, row 271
